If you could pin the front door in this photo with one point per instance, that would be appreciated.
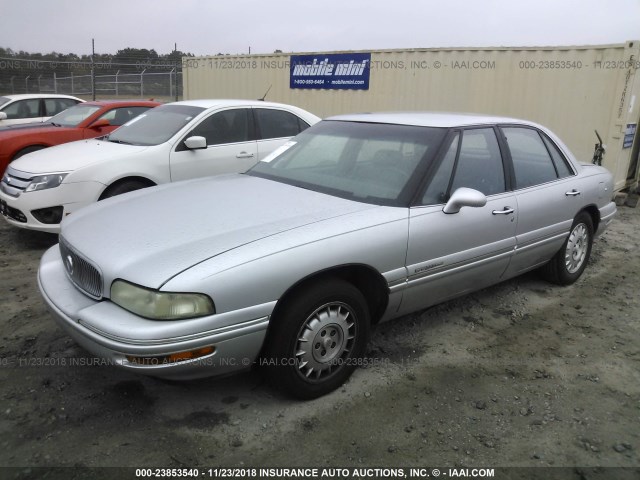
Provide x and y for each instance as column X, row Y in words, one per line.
column 450, row 254
column 231, row 147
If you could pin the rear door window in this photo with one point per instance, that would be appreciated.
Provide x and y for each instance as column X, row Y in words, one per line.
column 532, row 163
column 53, row 106
column 274, row 123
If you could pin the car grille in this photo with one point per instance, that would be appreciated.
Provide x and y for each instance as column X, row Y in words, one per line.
column 84, row 275
column 14, row 181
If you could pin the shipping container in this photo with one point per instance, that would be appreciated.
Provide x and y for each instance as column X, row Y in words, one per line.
column 574, row 90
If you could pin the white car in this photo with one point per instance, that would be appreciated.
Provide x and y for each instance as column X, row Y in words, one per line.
column 33, row 108
column 176, row 141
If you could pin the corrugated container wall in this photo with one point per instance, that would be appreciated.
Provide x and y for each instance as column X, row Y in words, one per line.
column 572, row 90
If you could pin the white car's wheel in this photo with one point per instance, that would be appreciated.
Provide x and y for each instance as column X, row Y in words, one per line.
column 124, row 186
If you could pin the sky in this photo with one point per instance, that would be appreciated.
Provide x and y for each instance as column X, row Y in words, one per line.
column 234, row 27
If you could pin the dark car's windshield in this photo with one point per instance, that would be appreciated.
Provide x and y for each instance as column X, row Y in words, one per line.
column 155, row 126
column 367, row 162
column 74, row 115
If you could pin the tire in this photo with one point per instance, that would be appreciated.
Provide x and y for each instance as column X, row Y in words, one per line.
column 124, row 186
column 568, row 264
column 316, row 339
column 24, row 151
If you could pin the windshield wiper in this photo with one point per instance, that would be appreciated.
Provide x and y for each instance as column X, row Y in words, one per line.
column 119, row 141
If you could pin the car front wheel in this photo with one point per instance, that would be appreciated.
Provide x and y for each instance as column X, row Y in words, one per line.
column 124, row 186
column 568, row 264
column 317, row 338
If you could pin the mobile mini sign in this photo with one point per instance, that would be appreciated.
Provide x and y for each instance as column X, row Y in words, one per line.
column 338, row 71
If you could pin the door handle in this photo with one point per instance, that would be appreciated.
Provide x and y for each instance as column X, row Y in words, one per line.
column 572, row 193
column 504, row 211
column 244, row 155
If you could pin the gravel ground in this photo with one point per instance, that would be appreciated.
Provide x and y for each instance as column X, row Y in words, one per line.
column 522, row 374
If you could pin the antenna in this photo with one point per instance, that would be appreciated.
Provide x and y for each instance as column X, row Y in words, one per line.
column 265, row 93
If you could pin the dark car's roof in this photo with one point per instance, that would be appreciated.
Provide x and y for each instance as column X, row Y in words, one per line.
column 430, row 119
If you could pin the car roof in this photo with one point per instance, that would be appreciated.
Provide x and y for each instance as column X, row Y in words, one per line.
column 227, row 102
column 26, row 96
column 122, row 102
column 429, row 119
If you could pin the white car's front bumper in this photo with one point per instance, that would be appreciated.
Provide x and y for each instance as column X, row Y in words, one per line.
column 236, row 342
column 18, row 207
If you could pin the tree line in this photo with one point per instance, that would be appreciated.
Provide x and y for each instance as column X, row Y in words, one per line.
column 127, row 59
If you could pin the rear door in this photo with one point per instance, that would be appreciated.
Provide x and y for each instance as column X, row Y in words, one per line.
column 231, row 146
column 450, row 254
column 547, row 196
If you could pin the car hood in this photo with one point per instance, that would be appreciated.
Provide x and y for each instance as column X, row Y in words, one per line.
column 71, row 156
column 149, row 236
column 28, row 128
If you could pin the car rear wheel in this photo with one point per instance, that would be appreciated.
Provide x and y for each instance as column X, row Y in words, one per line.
column 568, row 264
column 124, row 186
column 317, row 338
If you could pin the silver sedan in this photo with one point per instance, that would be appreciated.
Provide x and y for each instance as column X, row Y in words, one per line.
column 357, row 220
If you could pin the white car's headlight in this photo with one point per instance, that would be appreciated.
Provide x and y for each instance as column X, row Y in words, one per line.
column 160, row 305
column 42, row 182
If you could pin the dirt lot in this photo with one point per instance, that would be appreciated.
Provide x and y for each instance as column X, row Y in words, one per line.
column 522, row 374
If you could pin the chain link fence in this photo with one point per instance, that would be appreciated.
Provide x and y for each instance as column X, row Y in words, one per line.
column 131, row 79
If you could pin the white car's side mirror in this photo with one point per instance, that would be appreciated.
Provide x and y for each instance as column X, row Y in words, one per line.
column 195, row 143
column 465, row 197
column 3, row 116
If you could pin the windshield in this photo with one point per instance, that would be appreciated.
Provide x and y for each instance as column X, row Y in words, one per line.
column 4, row 100
column 155, row 126
column 367, row 162
column 74, row 115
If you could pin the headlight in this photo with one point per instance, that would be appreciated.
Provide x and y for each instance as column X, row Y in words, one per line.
column 157, row 305
column 42, row 182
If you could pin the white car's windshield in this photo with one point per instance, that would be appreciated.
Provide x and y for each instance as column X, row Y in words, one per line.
column 74, row 115
column 367, row 162
column 155, row 126
column 4, row 100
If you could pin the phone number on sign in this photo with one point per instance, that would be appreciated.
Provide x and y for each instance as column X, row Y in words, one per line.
column 309, row 82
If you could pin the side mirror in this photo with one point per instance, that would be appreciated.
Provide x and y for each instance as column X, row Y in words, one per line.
column 100, row 123
column 3, row 116
column 465, row 197
column 195, row 143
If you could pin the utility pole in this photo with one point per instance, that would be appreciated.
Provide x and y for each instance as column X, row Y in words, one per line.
column 93, row 68
column 178, row 61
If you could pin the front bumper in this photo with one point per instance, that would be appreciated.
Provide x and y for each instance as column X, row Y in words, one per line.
column 71, row 196
column 99, row 327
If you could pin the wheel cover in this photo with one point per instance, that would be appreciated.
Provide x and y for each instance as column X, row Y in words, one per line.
column 324, row 341
column 577, row 246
